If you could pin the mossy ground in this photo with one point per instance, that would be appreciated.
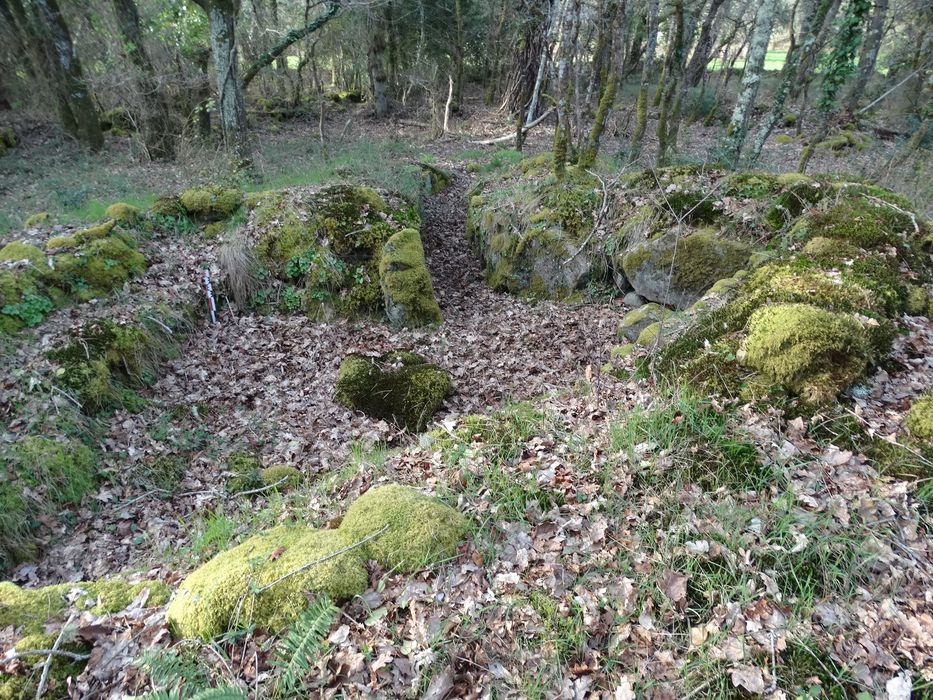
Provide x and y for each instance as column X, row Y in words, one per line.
column 406, row 282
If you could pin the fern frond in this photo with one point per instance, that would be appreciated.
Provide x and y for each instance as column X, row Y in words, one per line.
column 174, row 694
column 170, row 670
column 297, row 651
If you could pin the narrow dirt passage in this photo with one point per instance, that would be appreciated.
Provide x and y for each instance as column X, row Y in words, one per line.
column 265, row 383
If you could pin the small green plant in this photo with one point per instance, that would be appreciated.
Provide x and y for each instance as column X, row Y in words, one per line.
column 31, row 310
column 298, row 651
column 214, row 533
column 290, row 300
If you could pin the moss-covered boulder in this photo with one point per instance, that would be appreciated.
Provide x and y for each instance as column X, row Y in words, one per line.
column 228, row 591
column 920, row 418
column 814, row 352
column 23, row 301
column 42, row 477
column 25, row 253
column 282, row 477
column 675, row 270
column 211, row 203
column 399, row 387
column 7, row 139
column 27, row 610
column 40, row 218
column 269, row 579
column 635, row 321
column 406, row 282
column 323, row 246
column 122, row 213
column 533, row 238
column 414, row 530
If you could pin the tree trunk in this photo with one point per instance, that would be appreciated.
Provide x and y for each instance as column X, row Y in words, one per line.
column 221, row 16
column 868, row 55
column 377, row 68
column 751, row 80
column 669, row 116
column 700, row 58
column 79, row 114
column 641, row 102
column 157, row 129
column 562, row 129
column 608, row 82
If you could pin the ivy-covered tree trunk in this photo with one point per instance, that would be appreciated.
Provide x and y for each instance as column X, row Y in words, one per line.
column 751, row 80
column 814, row 14
column 701, row 52
column 157, row 124
column 839, row 67
column 641, row 102
column 868, row 56
column 221, row 15
column 76, row 106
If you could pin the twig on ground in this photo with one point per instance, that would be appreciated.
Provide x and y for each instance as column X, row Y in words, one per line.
column 47, row 666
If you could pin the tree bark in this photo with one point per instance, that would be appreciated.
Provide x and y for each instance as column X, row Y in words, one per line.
column 221, row 16
column 669, row 116
column 157, row 124
column 868, row 56
column 700, row 58
column 377, row 68
column 83, row 120
column 641, row 102
column 751, row 80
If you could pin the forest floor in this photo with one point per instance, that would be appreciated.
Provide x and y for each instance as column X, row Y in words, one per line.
column 589, row 571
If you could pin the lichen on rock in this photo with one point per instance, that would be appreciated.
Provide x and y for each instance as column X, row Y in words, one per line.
column 406, row 282
column 400, row 387
column 675, row 269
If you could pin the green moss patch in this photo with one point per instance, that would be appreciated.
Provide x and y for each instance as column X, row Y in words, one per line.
column 399, row 387
column 815, row 352
column 211, row 203
column 920, row 418
column 268, row 579
column 406, row 282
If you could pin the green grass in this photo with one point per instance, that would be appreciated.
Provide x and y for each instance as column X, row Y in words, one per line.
column 774, row 61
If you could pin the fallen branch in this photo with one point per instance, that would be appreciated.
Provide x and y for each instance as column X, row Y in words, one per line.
column 47, row 666
column 268, row 487
column 525, row 130
column 26, row 653
column 305, row 567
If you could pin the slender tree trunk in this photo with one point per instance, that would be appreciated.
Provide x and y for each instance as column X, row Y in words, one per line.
column 457, row 50
column 157, row 124
column 700, row 58
column 609, row 80
column 641, row 102
column 377, row 69
column 83, row 110
column 751, row 79
column 814, row 13
column 221, row 16
column 669, row 116
column 809, row 56
column 562, row 129
column 868, row 56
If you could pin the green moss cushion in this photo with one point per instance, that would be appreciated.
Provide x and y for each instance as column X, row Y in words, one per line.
column 399, row 387
column 406, row 282
column 224, row 592
column 420, row 530
column 814, row 352
column 920, row 418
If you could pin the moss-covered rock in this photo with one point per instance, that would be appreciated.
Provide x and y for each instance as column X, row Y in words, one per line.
column 269, row 579
column 920, row 418
column 23, row 302
column 7, row 139
column 211, row 203
column 400, row 387
column 225, row 592
column 281, row 476
column 635, row 321
column 918, row 301
column 42, row 477
column 18, row 252
column 168, row 206
column 122, row 213
column 406, row 282
column 246, row 471
column 38, row 219
column 675, row 270
column 419, row 531
column 98, row 266
column 814, row 352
